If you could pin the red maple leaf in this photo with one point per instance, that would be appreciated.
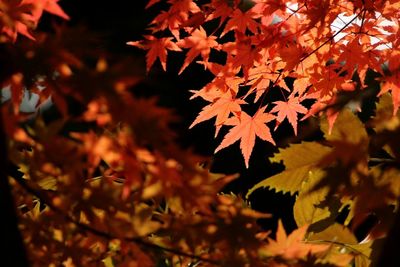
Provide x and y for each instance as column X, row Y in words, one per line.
column 157, row 48
column 289, row 110
column 246, row 129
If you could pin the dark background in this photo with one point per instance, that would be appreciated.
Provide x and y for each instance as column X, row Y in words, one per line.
column 119, row 21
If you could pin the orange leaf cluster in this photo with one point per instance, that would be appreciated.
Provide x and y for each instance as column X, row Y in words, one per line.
column 327, row 47
column 20, row 17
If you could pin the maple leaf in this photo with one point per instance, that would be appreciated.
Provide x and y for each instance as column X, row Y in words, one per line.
column 267, row 8
column 393, row 86
column 292, row 246
column 289, row 110
column 316, row 13
column 151, row 3
column 50, row 6
column 157, row 48
column 246, row 129
column 177, row 14
column 221, row 108
column 225, row 80
column 292, row 55
column 222, row 10
column 199, row 44
column 241, row 22
column 22, row 16
column 242, row 53
column 260, row 79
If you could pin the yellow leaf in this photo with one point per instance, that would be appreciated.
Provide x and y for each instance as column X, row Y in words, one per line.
column 299, row 160
column 305, row 208
column 348, row 127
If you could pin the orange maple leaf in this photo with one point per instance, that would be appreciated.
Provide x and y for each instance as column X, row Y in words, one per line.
column 270, row 7
column 289, row 110
column 157, row 48
column 177, row 15
column 50, row 6
column 292, row 54
column 241, row 22
column 151, row 3
column 246, row 129
column 292, row 246
column 242, row 53
column 221, row 10
column 19, row 17
column 260, row 78
column 221, row 108
column 199, row 44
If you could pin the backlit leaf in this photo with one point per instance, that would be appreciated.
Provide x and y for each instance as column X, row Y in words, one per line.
column 299, row 160
column 245, row 129
column 347, row 127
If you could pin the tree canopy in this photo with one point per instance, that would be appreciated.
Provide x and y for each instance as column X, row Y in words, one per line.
column 94, row 173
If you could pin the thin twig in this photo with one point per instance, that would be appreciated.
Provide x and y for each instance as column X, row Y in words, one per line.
column 269, row 87
column 381, row 160
column 330, row 38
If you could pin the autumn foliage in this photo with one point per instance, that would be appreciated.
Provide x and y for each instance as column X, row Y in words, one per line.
column 105, row 183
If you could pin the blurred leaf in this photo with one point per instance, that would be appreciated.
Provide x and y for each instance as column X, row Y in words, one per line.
column 348, row 127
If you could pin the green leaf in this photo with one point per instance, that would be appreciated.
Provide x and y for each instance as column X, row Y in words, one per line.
column 299, row 160
column 348, row 128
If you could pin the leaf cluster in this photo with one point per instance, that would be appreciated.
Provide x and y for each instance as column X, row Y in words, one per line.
column 253, row 47
column 103, row 182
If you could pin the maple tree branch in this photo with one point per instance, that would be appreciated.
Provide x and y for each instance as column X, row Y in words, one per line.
column 330, row 38
column 362, row 21
column 138, row 240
